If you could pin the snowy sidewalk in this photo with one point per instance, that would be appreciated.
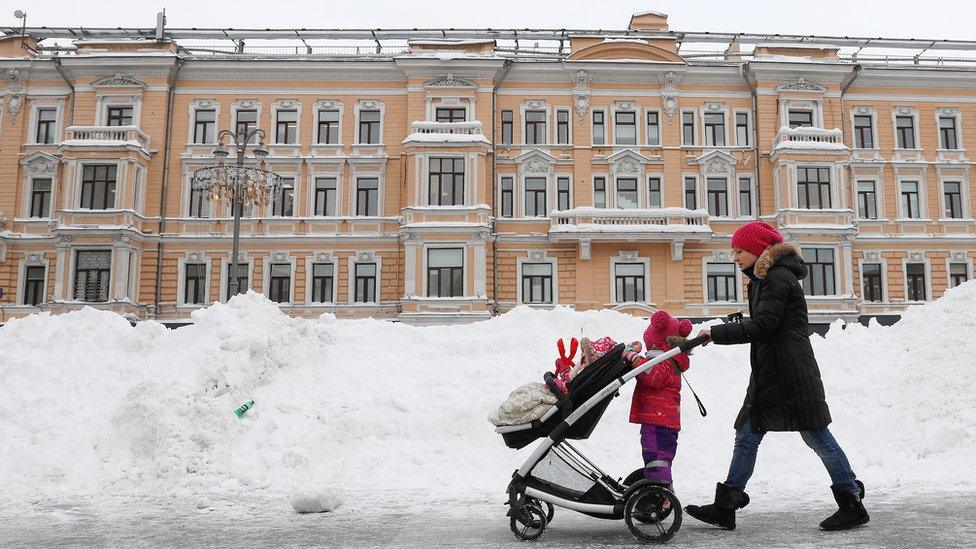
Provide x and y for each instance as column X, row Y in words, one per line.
column 940, row 520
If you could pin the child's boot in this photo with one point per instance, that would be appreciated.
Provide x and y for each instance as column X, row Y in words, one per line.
column 721, row 513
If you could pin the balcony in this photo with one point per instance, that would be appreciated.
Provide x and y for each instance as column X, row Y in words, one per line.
column 674, row 225
column 427, row 132
column 820, row 221
column 105, row 137
column 805, row 139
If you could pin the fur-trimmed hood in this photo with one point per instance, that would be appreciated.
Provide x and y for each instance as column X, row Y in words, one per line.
column 780, row 254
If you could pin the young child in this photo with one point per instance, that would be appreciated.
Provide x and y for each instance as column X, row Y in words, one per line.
column 657, row 398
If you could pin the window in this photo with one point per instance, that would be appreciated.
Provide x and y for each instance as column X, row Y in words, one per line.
column 801, row 118
column 507, row 127
column 45, row 125
column 715, row 129
column 626, row 193
column 953, row 199
column 629, row 282
column 599, row 192
column 745, row 197
column 243, row 280
column 535, row 127
column 947, row 132
column 445, row 182
column 562, row 127
column 369, row 127
column 687, row 128
column 654, row 192
column 98, row 187
column 909, row 199
column 451, row 114
column 40, row 198
column 119, row 116
column 653, row 128
column 915, row 276
column 958, row 273
column 863, row 132
column 325, row 196
column 535, row 196
column 742, row 129
column 286, row 127
column 92, row 270
column 33, row 286
column 199, row 203
column 284, row 202
column 328, row 127
column 813, row 188
column 195, row 283
column 562, row 193
column 323, row 278
column 905, row 132
column 599, row 128
column 365, row 283
column 247, row 120
column 508, row 197
column 625, row 128
column 867, row 200
column 820, row 271
column 367, row 196
column 279, row 286
column 536, row 283
column 204, row 125
column 445, row 272
column 720, row 281
column 691, row 198
column 718, row 196
column 871, row 278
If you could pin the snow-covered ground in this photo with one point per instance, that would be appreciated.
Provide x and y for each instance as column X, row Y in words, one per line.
column 372, row 413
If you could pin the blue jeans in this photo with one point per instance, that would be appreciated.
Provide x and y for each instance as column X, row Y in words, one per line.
column 821, row 441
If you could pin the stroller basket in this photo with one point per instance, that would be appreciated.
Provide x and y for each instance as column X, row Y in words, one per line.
column 589, row 382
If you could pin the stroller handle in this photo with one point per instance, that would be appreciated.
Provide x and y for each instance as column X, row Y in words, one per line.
column 692, row 343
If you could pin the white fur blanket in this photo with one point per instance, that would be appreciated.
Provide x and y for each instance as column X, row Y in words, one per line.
column 527, row 403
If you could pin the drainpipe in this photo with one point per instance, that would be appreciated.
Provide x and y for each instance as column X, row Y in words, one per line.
column 165, row 185
column 506, row 67
column 753, row 85
column 69, row 118
column 843, row 126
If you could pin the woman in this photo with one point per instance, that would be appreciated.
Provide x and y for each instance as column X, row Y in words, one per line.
column 785, row 391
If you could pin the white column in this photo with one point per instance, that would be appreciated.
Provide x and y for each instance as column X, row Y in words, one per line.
column 480, row 267
column 410, row 250
column 120, row 266
column 64, row 255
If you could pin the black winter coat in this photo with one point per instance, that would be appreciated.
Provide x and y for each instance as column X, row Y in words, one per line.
column 785, row 391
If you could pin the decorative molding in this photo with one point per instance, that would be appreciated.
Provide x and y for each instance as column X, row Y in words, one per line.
column 669, row 96
column 716, row 166
column 328, row 104
column 64, row 240
column 247, row 104
column 449, row 81
column 906, row 111
column 581, row 93
column 714, row 107
column 535, row 104
column 241, row 256
column 872, row 256
column 721, row 256
column 628, row 255
column 957, row 257
column 3, row 219
column 916, row 257
column 204, row 103
column 948, row 111
column 864, row 110
column 626, row 166
column 118, row 81
column 287, row 104
column 13, row 75
column 40, row 164
column 625, row 105
column 365, row 256
column 195, row 256
column 15, row 103
column 803, row 85
column 537, row 255
column 369, row 103
column 323, row 256
column 280, row 256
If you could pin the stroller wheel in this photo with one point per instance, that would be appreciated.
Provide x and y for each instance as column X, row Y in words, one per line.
column 550, row 510
column 528, row 521
column 653, row 514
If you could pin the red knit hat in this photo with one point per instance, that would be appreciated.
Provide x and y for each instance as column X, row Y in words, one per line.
column 755, row 237
column 662, row 326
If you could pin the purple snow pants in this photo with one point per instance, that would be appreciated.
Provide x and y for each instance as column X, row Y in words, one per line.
column 658, row 445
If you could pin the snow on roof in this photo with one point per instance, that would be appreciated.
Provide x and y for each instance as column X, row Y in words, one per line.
column 446, row 138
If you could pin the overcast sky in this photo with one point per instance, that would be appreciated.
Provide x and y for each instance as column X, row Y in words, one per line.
column 892, row 18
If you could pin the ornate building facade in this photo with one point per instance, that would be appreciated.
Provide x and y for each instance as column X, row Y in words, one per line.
column 447, row 176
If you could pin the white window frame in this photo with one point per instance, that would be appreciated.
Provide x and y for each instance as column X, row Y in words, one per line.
column 354, row 192
column 966, row 260
column 609, row 190
column 246, row 105
column 311, row 176
column 559, row 176
column 466, row 187
column 963, row 199
column 884, row 278
column 181, row 288
column 329, row 105
column 28, row 197
column 949, row 112
column 922, row 199
column 837, row 266
column 266, row 282
column 369, row 105
column 516, row 202
column 120, row 175
column 660, row 129
column 537, row 105
column 872, row 113
column 356, row 259
column 285, row 105
column 72, row 268
column 614, row 188
column 752, row 196
column 225, row 272
column 569, row 114
column 928, row 278
column 906, row 111
column 296, row 196
column 622, row 259
column 606, row 132
column 730, row 213
column 202, row 105
column 520, row 188
column 681, row 128
column 445, row 245
column 187, row 197
column 647, row 189
column 878, row 197
column 38, row 103
column 106, row 100
column 749, row 133
column 716, row 259
column 626, row 106
column 724, row 111
column 324, row 258
column 835, row 174
column 699, row 199
column 22, row 265
column 555, row 279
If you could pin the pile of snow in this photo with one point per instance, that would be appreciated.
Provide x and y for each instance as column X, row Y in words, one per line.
column 385, row 411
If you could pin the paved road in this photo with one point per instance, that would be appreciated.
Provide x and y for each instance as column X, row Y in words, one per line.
column 933, row 521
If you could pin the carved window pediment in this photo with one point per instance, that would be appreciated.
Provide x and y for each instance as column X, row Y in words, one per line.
column 119, row 81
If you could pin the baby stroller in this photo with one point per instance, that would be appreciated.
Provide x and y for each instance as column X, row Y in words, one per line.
column 557, row 474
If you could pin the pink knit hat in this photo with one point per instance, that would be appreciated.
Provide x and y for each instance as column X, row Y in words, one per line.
column 755, row 237
column 663, row 326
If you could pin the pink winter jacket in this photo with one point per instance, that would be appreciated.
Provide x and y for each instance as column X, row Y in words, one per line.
column 657, row 397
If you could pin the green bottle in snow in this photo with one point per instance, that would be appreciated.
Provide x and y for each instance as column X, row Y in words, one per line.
column 243, row 408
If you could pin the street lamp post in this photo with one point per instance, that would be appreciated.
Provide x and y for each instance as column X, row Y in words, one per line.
column 239, row 184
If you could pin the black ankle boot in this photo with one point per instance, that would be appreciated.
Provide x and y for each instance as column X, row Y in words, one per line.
column 850, row 512
column 721, row 513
